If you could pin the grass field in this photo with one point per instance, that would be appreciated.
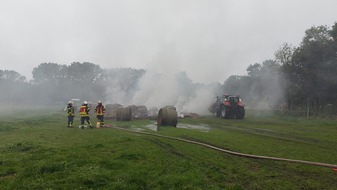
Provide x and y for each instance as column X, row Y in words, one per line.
column 37, row 151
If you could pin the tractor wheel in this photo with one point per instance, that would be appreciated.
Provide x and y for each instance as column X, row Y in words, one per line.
column 216, row 113
column 240, row 113
column 224, row 112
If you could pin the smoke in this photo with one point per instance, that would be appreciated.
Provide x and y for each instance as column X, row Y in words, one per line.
column 116, row 95
column 162, row 84
column 157, row 90
column 265, row 91
column 173, row 89
column 199, row 103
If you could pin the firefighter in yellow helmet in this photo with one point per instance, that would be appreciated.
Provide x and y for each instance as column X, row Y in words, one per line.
column 71, row 114
column 100, row 111
column 84, row 112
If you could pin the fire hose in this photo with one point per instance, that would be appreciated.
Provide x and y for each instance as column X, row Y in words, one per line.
column 333, row 166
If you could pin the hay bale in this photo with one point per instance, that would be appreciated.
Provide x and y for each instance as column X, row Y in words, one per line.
column 124, row 114
column 141, row 112
column 153, row 113
column 167, row 116
column 111, row 110
column 138, row 112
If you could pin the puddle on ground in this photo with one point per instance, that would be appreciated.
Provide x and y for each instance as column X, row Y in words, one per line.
column 154, row 127
column 189, row 126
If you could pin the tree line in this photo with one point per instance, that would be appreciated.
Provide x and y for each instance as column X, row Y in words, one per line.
column 56, row 83
column 300, row 78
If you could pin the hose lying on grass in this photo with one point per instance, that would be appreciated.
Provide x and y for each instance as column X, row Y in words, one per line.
column 334, row 167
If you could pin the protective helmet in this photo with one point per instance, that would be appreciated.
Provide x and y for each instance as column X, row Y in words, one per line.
column 70, row 102
column 85, row 102
column 99, row 101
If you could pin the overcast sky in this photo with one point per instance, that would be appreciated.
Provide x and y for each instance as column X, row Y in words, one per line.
column 209, row 39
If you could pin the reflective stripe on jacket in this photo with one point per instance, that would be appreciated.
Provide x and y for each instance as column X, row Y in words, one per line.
column 84, row 111
column 100, row 110
column 71, row 111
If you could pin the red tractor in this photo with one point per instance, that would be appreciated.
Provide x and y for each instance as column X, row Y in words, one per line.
column 229, row 106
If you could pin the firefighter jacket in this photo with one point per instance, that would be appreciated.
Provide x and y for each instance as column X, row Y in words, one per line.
column 84, row 110
column 100, row 109
column 71, row 110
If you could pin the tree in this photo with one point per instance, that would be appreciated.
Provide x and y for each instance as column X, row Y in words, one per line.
column 85, row 73
column 333, row 33
column 47, row 80
column 85, row 81
column 48, row 72
column 11, row 75
column 59, row 83
column 254, row 70
column 283, row 57
column 14, row 87
column 261, row 87
column 121, row 83
column 237, row 85
column 314, row 68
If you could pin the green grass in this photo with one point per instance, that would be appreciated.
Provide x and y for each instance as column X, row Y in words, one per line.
column 37, row 151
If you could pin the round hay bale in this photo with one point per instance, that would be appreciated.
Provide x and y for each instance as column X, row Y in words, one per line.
column 140, row 112
column 170, row 107
column 153, row 113
column 167, row 116
column 110, row 110
column 123, row 114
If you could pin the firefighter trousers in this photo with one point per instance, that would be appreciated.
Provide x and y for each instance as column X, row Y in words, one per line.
column 70, row 120
column 100, row 118
column 87, row 119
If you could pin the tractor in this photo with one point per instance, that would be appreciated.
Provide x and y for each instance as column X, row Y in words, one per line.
column 228, row 107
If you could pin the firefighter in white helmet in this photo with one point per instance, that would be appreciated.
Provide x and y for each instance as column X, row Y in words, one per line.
column 100, row 111
column 71, row 114
column 84, row 112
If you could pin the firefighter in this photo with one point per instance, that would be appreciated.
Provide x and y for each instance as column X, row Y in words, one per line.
column 100, row 111
column 71, row 114
column 84, row 112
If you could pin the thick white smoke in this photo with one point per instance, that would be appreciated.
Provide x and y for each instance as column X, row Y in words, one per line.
column 170, row 89
column 157, row 90
column 199, row 103
column 160, row 87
